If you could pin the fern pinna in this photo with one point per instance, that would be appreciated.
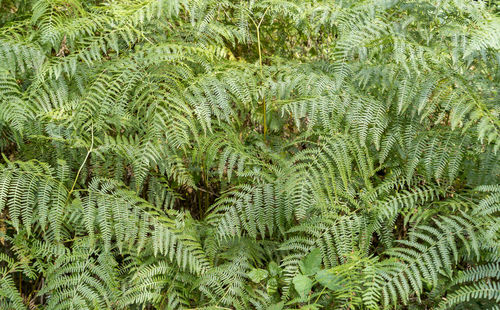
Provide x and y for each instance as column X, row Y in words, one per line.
column 201, row 154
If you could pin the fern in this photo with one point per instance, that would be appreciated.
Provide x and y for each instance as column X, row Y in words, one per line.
column 277, row 154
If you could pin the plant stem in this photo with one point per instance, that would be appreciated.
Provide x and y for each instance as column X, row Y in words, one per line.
column 84, row 161
column 264, row 108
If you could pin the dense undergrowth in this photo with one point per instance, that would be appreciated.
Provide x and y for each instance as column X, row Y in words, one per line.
column 225, row 154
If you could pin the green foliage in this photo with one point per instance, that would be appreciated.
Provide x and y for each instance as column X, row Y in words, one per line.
column 181, row 154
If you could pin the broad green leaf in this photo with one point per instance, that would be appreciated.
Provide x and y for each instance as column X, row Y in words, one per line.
column 309, row 307
column 257, row 274
column 302, row 285
column 311, row 263
column 328, row 279
column 277, row 306
column 274, row 269
column 272, row 286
